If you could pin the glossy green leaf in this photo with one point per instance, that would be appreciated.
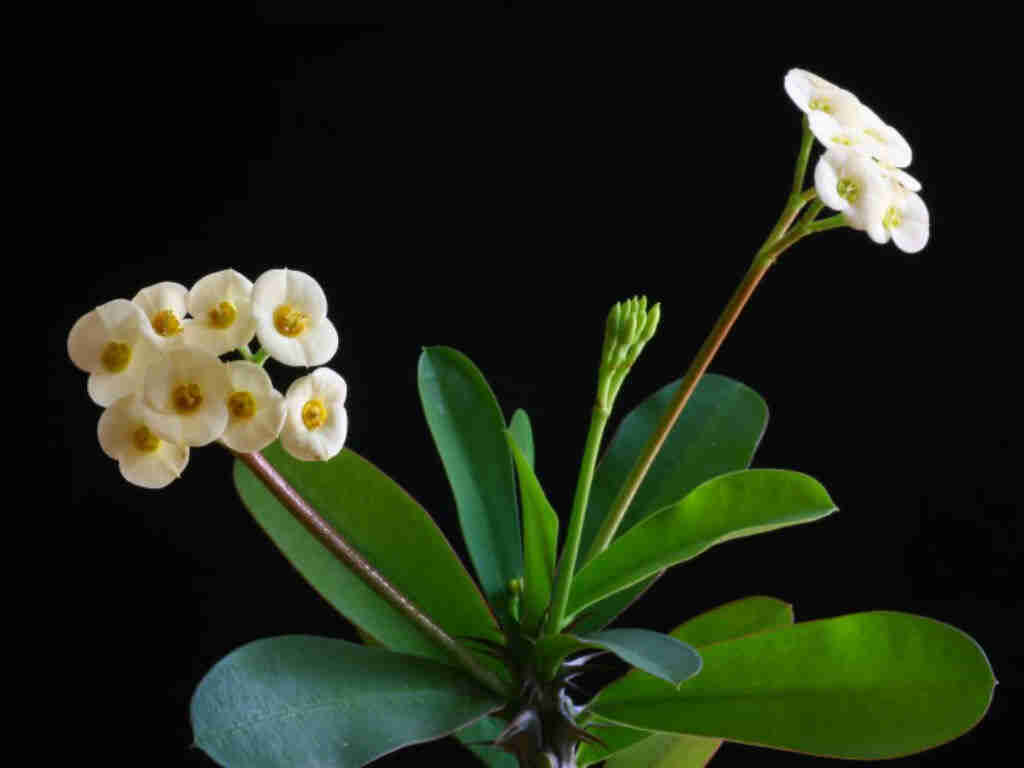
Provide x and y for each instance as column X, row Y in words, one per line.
column 540, row 541
column 735, row 619
column 469, row 431
column 299, row 701
column 476, row 736
column 663, row 656
column 866, row 686
column 726, row 507
column 521, row 430
column 717, row 432
column 666, row 750
column 391, row 530
column 602, row 614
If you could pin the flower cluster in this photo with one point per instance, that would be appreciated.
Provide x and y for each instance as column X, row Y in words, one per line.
column 154, row 365
column 861, row 173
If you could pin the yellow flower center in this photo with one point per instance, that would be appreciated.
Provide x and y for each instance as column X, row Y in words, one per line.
column 166, row 323
column 821, row 105
column 848, row 189
column 223, row 315
column 186, row 398
column 145, row 440
column 116, row 356
column 290, row 321
column 241, row 405
column 844, row 140
column 314, row 413
column 893, row 219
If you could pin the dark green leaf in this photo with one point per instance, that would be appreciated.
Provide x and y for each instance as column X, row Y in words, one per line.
column 602, row 614
column 301, row 701
column 866, row 686
column 487, row 729
column 469, row 431
column 726, row 507
column 735, row 619
column 661, row 655
column 520, row 428
column 391, row 530
column 717, row 432
column 540, row 541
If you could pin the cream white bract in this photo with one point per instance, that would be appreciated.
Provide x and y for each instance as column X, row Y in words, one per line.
column 906, row 220
column 256, row 411
column 900, row 177
column 316, row 423
column 113, row 345
column 853, row 184
column 164, row 306
column 290, row 309
column 187, row 391
column 126, row 434
column 221, row 309
column 839, row 120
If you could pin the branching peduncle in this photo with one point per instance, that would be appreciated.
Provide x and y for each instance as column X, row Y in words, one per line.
column 779, row 239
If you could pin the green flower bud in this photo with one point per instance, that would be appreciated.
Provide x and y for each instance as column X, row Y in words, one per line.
column 651, row 325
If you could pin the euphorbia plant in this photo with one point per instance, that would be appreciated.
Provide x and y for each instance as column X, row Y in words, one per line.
column 492, row 659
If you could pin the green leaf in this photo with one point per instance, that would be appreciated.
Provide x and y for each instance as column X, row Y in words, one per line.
column 726, row 507
column 487, row 729
column 520, row 428
column 469, row 431
column 299, row 700
column 735, row 619
column 866, row 686
column 391, row 530
column 666, row 750
column 660, row 655
column 717, row 432
column 540, row 541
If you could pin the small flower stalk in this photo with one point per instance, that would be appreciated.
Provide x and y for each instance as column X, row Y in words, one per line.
column 154, row 365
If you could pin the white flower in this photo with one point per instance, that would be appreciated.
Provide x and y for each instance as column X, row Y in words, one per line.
column 854, row 184
column 126, row 434
column 164, row 305
column 221, row 309
column 906, row 220
column 839, row 120
column 317, row 423
column 814, row 95
column 187, row 391
column 256, row 410
column 113, row 345
column 290, row 309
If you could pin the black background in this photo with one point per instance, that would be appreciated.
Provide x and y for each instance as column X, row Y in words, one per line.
column 496, row 188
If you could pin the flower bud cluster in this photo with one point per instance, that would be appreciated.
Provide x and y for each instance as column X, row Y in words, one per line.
column 861, row 173
column 630, row 326
column 154, row 366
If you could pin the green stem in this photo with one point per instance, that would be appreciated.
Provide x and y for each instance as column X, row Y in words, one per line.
column 570, row 551
column 338, row 546
column 832, row 222
column 260, row 357
column 806, row 142
column 245, row 353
